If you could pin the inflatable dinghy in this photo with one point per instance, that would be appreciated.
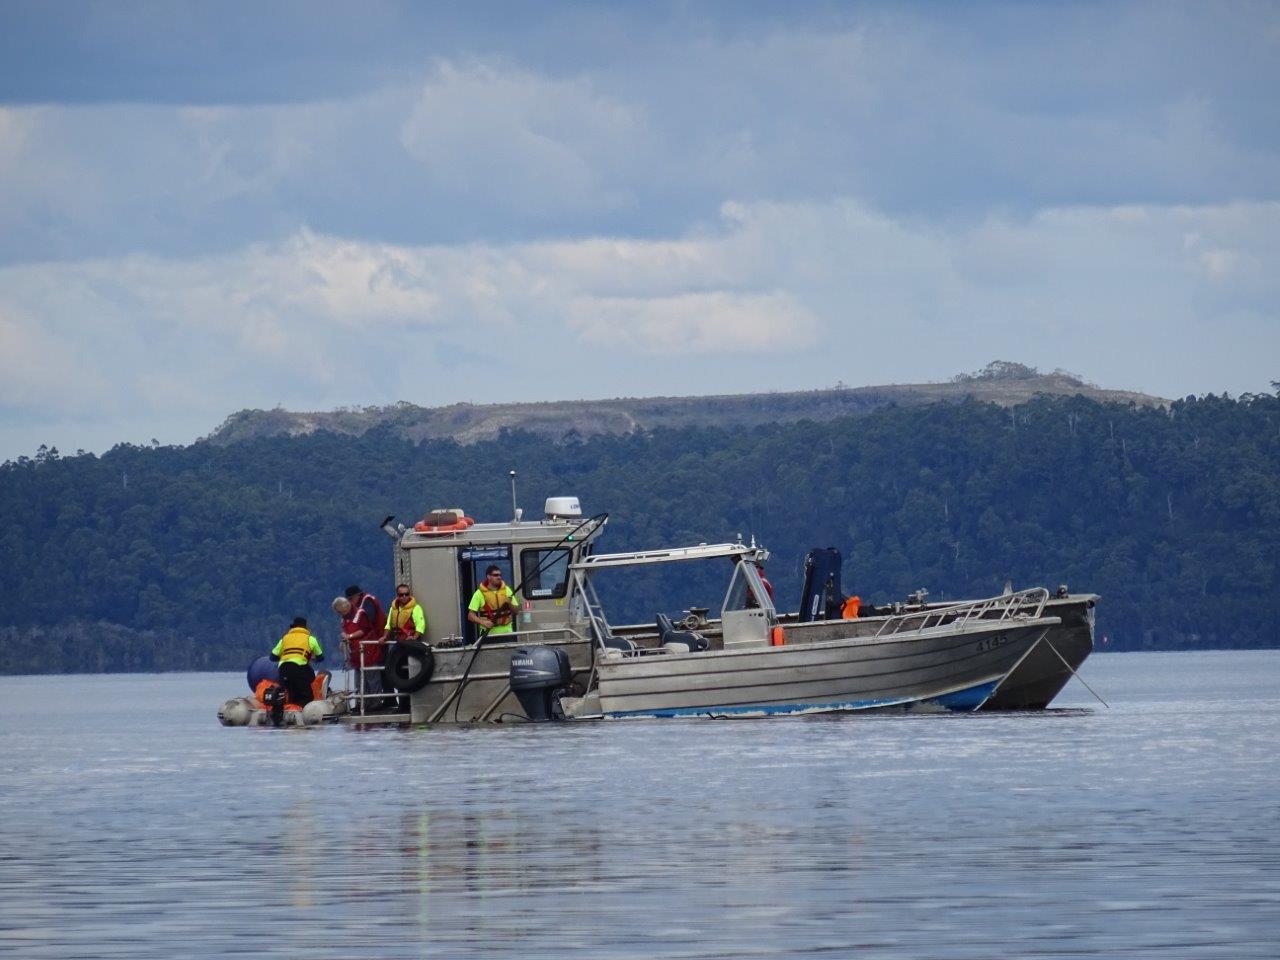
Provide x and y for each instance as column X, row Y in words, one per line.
column 269, row 705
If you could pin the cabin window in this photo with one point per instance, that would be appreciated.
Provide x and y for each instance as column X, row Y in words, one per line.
column 745, row 590
column 544, row 574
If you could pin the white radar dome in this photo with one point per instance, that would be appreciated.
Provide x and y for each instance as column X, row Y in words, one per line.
column 562, row 507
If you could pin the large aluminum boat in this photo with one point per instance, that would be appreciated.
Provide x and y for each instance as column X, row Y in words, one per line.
column 952, row 658
column 736, row 656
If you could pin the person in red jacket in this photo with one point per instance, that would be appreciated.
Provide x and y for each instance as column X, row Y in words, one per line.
column 362, row 629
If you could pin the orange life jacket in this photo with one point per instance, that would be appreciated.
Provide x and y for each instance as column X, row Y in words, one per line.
column 400, row 617
column 296, row 643
column 494, row 601
column 851, row 608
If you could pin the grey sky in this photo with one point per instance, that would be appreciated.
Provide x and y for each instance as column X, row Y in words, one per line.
column 210, row 206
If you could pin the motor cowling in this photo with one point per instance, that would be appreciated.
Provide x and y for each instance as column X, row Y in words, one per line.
column 539, row 676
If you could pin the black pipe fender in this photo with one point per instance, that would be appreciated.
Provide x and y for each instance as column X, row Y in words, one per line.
column 408, row 666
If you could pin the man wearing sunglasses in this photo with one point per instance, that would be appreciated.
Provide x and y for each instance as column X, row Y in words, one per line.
column 493, row 605
column 405, row 619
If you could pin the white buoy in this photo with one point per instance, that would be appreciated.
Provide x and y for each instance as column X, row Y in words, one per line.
column 247, row 711
column 315, row 712
column 235, row 713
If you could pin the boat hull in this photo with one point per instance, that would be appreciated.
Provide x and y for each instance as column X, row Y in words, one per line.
column 471, row 686
column 1036, row 681
column 1042, row 674
column 1027, row 676
column 951, row 667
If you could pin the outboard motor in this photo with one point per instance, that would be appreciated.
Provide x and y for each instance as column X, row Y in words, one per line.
column 539, row 676
column 822, row 597
column 273, row 698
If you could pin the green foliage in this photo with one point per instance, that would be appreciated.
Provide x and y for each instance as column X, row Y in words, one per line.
column 196, row 557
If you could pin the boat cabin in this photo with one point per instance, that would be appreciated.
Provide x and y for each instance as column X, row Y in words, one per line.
column 443, row 559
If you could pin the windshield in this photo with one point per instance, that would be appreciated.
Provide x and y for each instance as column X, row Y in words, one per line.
column 739, row 596
column 636, row 594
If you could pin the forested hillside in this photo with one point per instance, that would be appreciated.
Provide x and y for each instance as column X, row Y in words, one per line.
column 195, row 557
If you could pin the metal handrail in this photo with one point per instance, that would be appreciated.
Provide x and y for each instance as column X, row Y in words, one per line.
column 563, row 628
column 592, row 607
column 358, row 694
column 1022, row 605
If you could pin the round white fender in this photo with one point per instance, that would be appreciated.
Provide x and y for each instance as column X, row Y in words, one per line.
column 237, row 713
column 317, row 711
column 248, row 712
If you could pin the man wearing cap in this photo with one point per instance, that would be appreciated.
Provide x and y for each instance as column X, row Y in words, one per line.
column 295, row 651
column 493, row 605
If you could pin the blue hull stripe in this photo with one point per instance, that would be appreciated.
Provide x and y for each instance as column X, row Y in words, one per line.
column 963, row 701
column 967, row 700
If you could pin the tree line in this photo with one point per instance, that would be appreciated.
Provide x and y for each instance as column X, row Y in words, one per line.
column 196, row 557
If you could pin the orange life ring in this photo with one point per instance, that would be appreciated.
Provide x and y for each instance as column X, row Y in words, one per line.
column 431, row 529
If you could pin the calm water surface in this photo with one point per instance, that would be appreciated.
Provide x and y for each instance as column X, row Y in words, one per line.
column 132, row 825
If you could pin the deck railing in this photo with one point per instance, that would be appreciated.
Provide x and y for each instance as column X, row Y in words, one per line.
column 1022, row 605
column 567, row 632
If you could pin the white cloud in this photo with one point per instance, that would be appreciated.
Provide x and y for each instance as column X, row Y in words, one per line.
column 921, row 112
column 15, row 130
column 498, row 133
column 859, row 194
column 717, row 324
column 784, row 295
column 42, row 372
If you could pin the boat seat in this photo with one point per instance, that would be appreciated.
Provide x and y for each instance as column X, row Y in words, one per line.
column 617, row 646
column 679, row 641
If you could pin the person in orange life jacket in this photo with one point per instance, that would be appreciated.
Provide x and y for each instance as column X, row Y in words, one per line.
column 362, row 622
column 295, row 651
column 405, row 619
column 493, row 605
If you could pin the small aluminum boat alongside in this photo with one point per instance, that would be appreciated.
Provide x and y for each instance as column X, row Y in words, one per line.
column 950, row 658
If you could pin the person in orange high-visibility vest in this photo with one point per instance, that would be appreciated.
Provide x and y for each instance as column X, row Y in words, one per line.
column 493, row 605
column 405, row 619
column 295, row 651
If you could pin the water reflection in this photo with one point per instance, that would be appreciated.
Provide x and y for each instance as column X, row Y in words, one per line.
column 1147, row 830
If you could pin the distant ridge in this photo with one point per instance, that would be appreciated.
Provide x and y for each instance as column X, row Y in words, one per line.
column 1002, row 382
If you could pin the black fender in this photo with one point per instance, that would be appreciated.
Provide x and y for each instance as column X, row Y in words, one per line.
column 408, row 666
